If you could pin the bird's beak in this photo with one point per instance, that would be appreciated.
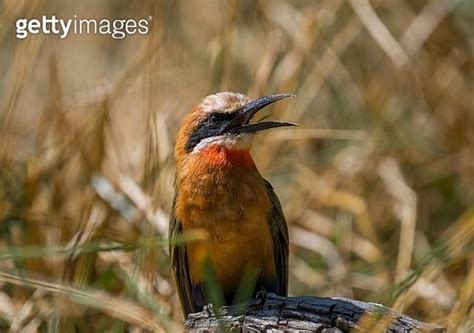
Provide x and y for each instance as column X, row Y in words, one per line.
column 241, row 122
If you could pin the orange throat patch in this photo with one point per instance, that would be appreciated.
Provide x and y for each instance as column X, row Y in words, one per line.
column 222, row 156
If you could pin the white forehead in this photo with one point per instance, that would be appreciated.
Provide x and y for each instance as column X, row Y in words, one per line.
column 223, row 102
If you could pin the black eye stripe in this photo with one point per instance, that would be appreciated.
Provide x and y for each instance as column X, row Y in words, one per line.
column 208, row 128
column 221, row 116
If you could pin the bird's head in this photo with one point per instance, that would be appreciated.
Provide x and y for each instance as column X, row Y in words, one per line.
column 224, row 121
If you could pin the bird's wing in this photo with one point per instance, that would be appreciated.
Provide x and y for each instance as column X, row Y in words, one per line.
column 279, row 231
column 179, row 261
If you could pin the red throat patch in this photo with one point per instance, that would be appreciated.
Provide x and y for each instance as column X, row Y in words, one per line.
column 225, row 157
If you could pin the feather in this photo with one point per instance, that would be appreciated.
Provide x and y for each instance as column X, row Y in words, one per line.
column 191, row 295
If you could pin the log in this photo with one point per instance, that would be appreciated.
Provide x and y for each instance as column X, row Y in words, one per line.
column 273, row 313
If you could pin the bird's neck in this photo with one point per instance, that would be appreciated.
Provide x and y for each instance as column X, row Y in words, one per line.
column 221, row 156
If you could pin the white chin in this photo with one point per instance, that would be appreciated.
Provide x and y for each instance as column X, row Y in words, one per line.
column 228, row 141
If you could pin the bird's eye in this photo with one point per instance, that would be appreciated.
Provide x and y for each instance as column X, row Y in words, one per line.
column 213, row 119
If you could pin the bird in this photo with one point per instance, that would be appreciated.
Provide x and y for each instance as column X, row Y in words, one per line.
column 219, row 189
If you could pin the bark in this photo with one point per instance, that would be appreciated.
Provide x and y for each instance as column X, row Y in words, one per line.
column 272, row 313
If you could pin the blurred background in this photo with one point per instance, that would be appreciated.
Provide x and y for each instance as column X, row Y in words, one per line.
column 377, row 182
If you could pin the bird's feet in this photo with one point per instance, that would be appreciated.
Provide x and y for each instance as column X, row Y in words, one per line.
column 209, row 309
column 261, row 298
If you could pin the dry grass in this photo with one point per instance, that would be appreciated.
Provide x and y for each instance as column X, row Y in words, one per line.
column 376, row 183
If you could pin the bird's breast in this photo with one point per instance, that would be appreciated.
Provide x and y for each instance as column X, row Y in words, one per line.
column 230, row 202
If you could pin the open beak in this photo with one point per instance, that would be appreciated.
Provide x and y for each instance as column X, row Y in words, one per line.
column 241, row 122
